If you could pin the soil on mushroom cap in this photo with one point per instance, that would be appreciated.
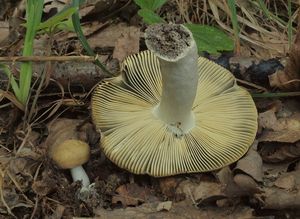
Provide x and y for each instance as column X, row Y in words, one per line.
column 169, row 39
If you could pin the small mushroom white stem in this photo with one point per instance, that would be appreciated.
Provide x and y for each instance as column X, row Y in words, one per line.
column 78, row 173
column 179, row 70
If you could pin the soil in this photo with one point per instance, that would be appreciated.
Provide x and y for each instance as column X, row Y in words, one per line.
column 265, row 183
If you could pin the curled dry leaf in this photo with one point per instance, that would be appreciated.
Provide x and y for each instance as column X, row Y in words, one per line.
column 247, row 184
column 204, row 193
column 164, row 206
column 275, row 153
column 275, row 198
column 251, row 164
column 63, row 129
column 281, row 125
column 132, row 195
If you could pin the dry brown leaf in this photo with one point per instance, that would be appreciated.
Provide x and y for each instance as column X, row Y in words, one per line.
column 132, row 195
column 251, row 164
column 88, row 29
column 204, row 193
column 178, row 211
column 63, row 129
column 44, row 186
column 108, row 36
column 247, row 184
column 168, row 186
column 274, row 153
column 164, row 206
column 282, row 125
column 57, row 5
column 4, row 30
column 286, row 182
column 127, row 44
column 275, row 198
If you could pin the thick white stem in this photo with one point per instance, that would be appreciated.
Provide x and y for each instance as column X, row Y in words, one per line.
column 78, row 173
column 179, row 80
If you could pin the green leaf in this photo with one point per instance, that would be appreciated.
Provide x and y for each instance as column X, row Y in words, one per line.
column 81, row 37
column 34, row 10
column 150, row 4
column 58, row 18
column 210, row 39
column 12, row 80
column 149, row 17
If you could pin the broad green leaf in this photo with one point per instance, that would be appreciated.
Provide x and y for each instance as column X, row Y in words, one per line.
column 149, row 17
column 210, row 39
column 59, row 17
column 150, row 4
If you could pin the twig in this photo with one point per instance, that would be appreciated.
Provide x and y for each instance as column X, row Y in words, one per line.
column 48, row 58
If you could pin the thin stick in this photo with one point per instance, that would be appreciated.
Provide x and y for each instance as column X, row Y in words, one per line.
column 48, row 58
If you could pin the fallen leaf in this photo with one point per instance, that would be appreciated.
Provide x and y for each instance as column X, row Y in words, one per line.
column 179, row 210
column 44, row 186
column 164, row 206
column 204, row 193
column 108, row 36
column 132, row 195
column 247, row 184
column 168, row 186
column 275, row 198
column 274, row 152
column 286, row 182
column 251, row 164
column 281, row 125
column 4, row 30
column 127, row 44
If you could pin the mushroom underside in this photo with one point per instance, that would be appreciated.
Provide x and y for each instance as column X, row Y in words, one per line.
column 225, row 114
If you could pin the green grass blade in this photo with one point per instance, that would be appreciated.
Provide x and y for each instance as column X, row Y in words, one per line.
column 290, row 29
column 81, row 37
column 235, row 25
column 59, row 17
column 34, row 10
column 269, row 14
column 12, row 80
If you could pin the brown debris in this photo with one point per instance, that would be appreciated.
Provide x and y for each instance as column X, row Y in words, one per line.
column 251, row 164
column 127, row 44
column 132, row 195
column 289, row 78
column 281, row 125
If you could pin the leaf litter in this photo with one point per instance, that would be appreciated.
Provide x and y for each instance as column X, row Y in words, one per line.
column 265, row 182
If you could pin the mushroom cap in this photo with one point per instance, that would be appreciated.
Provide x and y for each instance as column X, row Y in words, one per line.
column 226, row 121
column 70, row 153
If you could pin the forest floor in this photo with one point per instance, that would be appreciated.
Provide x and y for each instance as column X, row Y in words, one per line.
column 265, row 183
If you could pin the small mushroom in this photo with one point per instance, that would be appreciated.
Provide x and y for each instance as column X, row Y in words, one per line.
column 71, row 154
column 173, row 112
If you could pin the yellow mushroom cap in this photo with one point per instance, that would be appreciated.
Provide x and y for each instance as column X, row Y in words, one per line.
column 226, row 121
column 70, row 153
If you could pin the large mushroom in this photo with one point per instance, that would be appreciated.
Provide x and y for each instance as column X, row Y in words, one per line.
column 173, row 112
